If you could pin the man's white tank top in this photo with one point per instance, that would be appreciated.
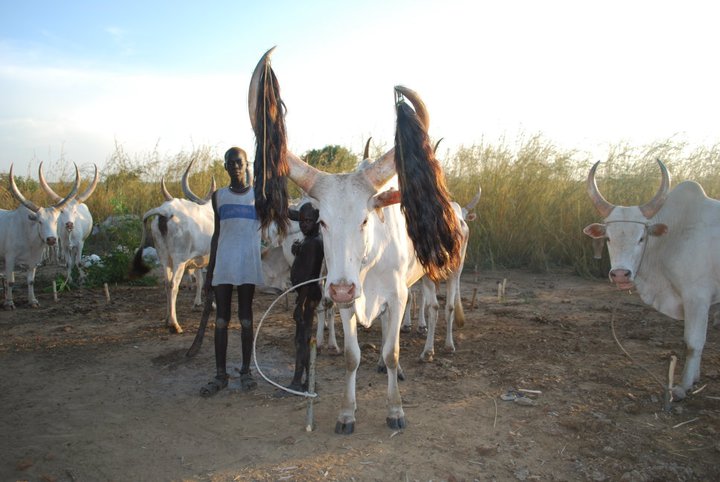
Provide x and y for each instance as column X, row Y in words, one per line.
column 237, row 260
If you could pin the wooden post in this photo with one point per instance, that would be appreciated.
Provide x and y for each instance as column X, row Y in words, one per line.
column 472, row 303
column 107, row 292
column 311, row 385
column 55, row 297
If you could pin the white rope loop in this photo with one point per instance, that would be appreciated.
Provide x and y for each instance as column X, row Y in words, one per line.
column 257, row 333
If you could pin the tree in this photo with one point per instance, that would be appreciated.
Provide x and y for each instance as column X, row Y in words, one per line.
column 332, row 159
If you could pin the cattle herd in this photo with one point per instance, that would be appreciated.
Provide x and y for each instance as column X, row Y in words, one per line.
column 385, row 226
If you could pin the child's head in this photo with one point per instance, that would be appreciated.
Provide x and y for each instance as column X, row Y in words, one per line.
column 237, row 166
column 308, row 218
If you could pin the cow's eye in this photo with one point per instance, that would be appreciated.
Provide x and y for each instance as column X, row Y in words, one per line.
column 642, row 238
column 364, row 223
column 322, row 224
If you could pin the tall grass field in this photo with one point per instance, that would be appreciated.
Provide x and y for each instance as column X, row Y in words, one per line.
column 531, row 213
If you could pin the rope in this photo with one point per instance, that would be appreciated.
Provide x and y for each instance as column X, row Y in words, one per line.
column 257, row 333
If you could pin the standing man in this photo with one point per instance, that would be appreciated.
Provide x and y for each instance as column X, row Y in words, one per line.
column 234, row 262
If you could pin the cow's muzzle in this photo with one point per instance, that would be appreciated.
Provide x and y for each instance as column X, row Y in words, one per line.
column 342, row 292
column 69, row 225
column 622, row 278
column 51, row 241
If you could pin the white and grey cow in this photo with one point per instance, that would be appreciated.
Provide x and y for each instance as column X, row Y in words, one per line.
column 74, row 224
column 371, row 260
column 668, row 250
column 24, row 234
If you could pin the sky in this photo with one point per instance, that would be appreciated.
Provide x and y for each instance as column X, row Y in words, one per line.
column 78, row 78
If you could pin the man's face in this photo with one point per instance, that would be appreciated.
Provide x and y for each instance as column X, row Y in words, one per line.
column 236, row 166
column 308, row 219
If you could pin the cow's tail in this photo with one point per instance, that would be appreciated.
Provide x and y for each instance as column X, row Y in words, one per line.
column 139, row 268
column 425, row 201
column 271, row 165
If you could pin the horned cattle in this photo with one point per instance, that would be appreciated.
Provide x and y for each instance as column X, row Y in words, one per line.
column 667, row 250
column 372, row 251
column 181, row 230
column 24, row 234
column 74, row 224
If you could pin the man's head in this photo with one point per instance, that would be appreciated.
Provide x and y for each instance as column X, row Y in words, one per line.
column 237, row 166
column 308, row 218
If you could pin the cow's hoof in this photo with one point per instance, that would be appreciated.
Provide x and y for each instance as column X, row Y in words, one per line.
column 175, row 329
column 449, row 350
column 381, row 369
column 405, row 329
column 334, row 351
column 422, row 330
column 428, row 357
column 34, row 304
column 678, row 393
column 396, row 423
column 401, row 374
column 9, row 305
column 344, row 428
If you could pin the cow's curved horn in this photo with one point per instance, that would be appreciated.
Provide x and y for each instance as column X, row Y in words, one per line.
column 163, row 188
column 16, row 192
column 366, row 152
column 437, row 144
column 651, row 208
column 384, row 168
column 473, row 202
column 186, row 188
column 45, row 186
column 603, row 207
column 302, row 173
column 81, row 198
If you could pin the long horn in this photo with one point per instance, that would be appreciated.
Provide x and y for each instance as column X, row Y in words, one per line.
column 384, row 168
column 366, row 152
column 213, row 188
column 473, row 202
column 302, row 173
column 81, row 198
column 166, row 194
column 45, row 186
column 73, row 191
column 651, row 208
column 186, row 188
column 16, row 192
column 437, row 144
column 603, row 207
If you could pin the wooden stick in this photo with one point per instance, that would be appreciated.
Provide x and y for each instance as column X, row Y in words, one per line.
column 504, row 282
column 499, row 290
column 472, row 302
column 107, row 292
column 311, row 385
column 55, row 297
column 668, row 389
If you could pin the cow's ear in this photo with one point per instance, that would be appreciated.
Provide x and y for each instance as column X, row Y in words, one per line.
column 385, row 198
column 657, row 229
column 595, row 230
column 32, row 217
column 471, row 217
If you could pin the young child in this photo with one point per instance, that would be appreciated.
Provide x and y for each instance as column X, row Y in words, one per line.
column 308, row 262
column 234, row 262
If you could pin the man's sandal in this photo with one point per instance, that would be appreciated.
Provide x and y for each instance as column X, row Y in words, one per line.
column 213, row 386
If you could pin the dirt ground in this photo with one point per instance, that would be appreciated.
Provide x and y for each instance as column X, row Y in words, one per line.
column 98, row 391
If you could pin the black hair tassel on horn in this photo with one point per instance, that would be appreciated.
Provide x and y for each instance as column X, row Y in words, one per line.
column 271, row 166
column 425, row 201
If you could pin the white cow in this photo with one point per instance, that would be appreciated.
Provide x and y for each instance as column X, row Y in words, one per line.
column 370, row 257
column 74, row 224
column 667, row 249
column 181, row 230
column 24, row 234
column 453, row 299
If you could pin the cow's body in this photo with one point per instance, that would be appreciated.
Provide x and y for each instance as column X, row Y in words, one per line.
column 370, row 258
column 670, row 256
column 25, row 232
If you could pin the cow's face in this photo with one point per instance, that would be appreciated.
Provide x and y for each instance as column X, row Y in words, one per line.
column 347, row 221
column 68, row 217
column 45, row 221
column 626, row 231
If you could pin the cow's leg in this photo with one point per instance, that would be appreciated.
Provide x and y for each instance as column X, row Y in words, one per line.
column 199, row 281
column 174, row 285
column 451, row 292
column 333, row 347
column 406, row 326
column 77, row 262
column 8, row 284
column 381, row 366
column 31, row 286
column 391, row 354
column 696, row 320
column 346, row 419
column 422, row 327
column 430, row 295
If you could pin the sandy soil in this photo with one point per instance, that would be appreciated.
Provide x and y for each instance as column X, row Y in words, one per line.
column 96, row 391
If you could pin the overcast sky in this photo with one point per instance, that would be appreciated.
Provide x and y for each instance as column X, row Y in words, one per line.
column 78, row 77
